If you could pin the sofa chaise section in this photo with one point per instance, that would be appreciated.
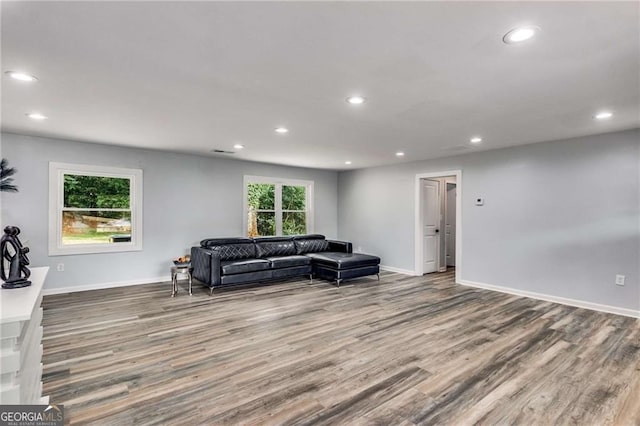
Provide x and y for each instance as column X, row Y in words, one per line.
column 343, row 266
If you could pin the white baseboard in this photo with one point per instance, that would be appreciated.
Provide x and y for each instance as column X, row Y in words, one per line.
column 100, row 286
column 398, row 270
column 555, row 299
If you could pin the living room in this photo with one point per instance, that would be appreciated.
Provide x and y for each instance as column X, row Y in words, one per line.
column 357, row 103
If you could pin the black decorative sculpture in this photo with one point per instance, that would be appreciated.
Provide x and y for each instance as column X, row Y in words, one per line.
column 15, row 256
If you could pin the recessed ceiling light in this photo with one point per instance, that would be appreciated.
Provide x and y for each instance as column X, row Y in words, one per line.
column 399, row 154
column 603, row 115
column 21, row 76
column 347, row 162
column 518, row 35
column 356, row 100
column 281, row 130
column 475, row 139
column 238, row 146
column 36, row 116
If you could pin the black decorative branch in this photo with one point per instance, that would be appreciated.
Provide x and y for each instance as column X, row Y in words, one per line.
column 6, row 181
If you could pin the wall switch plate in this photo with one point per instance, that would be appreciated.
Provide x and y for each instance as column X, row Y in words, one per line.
column 60, row 267
column 479, row 201
column 620, row 279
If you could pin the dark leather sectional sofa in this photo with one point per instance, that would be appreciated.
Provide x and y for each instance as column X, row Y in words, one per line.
column 222, row 262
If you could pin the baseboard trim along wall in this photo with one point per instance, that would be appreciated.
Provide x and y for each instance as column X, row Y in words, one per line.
column 398, row 270
column 555, row 299
column 101, row 286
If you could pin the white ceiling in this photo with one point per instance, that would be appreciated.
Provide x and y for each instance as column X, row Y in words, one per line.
column 196, row 76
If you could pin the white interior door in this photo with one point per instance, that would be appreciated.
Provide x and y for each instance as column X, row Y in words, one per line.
column 450, row 225
column 431, row 224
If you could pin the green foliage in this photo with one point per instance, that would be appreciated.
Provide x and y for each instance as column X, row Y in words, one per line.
column 91, row 192
column 266, row 223
column 293, row 198
column 261, row 196
column 294, row 223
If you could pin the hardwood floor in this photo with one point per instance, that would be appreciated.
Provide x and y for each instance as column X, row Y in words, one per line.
column 405, row 350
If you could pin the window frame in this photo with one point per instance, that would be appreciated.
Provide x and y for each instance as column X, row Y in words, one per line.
column 56, row 208
column 279, row 183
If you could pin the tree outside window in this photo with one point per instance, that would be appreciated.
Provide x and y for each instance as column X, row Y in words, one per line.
column 277, row 208
column 262, row 209
column 97, row 210
column 94, row 209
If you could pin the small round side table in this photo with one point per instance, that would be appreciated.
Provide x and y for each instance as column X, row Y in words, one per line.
column 185, row 269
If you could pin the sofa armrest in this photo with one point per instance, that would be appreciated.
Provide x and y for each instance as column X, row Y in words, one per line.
column 340, row 246
column 206, row 266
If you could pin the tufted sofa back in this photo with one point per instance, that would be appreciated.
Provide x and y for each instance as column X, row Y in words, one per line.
column 231, row 248
column 249, row 248
column 274, row 246
column 310, row 243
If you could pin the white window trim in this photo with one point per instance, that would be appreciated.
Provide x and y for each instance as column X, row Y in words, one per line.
column 278, row 200
column 56, row 200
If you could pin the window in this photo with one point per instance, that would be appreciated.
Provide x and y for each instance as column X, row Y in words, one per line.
column 278, row 206
column 94, row 209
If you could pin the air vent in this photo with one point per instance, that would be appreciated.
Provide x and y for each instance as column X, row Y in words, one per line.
column 221, row 151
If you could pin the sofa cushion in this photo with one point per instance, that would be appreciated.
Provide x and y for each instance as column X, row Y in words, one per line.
column 230, row 267
column 344, row 260
column 250, row 277
column 275, row 246
column 288, row 261
column 311, row 245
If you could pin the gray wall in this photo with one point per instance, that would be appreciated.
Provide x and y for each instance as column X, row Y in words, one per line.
column 186, row 198
column 560, row 218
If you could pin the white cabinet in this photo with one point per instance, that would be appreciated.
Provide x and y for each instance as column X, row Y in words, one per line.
column 21, row 342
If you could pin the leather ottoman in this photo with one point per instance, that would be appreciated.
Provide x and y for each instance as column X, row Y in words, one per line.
column 343, row 266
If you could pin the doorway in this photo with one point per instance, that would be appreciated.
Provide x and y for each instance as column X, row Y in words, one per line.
column 450, row 224
column 438, row 227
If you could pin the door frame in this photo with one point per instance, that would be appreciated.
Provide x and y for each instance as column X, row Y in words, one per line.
column 418, row 262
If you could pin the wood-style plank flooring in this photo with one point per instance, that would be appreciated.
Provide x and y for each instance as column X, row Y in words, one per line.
column 405, row 350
